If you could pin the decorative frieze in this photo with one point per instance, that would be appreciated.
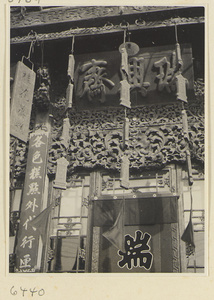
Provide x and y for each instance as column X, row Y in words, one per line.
column 96, row 136
column 156, row 138
column 107, row 29
column 74, row 13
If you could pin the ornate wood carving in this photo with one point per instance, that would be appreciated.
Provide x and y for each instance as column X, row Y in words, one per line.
column 18, row 158
column 156, row 137
column 41, row 95
column 107, row 28
column 75, row 13
column 175, row 248
column 96, row 140
column 95, row 249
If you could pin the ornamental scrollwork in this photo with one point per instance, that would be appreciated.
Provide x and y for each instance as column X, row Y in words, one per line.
column 155, row 138
column 96, row 141
column 22, row 16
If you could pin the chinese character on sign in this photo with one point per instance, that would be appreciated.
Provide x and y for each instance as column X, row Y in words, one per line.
column 21, row 103
column 21, row 110
column 24, row 263
column 35, row 173
column 19, row 125
column 37, row 158
column 136, row 75
column 166, row 73
column 27, row 240
column 25, row 225
column 24, row 94
column 28, row 77
column 95, row 80
column 137, row 252
column 38, row 142
column 31, row 204
column 33, row 188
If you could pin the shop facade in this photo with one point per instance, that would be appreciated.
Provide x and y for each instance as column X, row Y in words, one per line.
column 107, row 139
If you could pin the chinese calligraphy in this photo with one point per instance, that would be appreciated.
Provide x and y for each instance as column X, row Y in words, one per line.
column 24, row 261
column 35, row 173
column 27, row 221
column 37, row 142
column 33, row 188
column 31, row 204
column 22, row 98
column 28, row 241
column 166, row 74
column 136, row 75
column 95, row 80
column 37, row 158
column 137, row 252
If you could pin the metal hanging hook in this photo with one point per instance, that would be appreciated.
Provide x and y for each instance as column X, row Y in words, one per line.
column 33, row 35
column 125, row 26
column 30, row 49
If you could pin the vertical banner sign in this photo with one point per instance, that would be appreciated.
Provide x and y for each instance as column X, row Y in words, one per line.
column 28, row 236
column 124, row 173
column 22, row 98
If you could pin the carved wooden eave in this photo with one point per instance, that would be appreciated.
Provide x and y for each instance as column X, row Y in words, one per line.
column 58, row 28
column 64, row 14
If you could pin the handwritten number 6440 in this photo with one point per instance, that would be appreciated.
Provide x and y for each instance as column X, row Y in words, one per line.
column 26, row 292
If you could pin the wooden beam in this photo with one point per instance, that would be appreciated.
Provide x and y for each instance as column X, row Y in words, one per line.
column 106, row 29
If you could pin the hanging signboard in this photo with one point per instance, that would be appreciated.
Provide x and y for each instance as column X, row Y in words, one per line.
column 149, row 232
column 28, row 236
column 22, row 98
column 151, row 76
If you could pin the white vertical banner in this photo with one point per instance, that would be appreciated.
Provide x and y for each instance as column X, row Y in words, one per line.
column 22, row 98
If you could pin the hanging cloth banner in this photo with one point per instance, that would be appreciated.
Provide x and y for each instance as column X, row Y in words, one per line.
column 178, row 56
column 188, row 235
column 22, row 98
column 180, row 81
column 40, row 222
column 71, row 63
column 185, row 123
column 65, row 137
column 28, row 237
column 181, row 85
column 125, row 132
column 125, row 93
column 124, row 173
column 70, row 73
column 124, row 63
column 69, row 95
column 189, row 168
column 116, row 234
